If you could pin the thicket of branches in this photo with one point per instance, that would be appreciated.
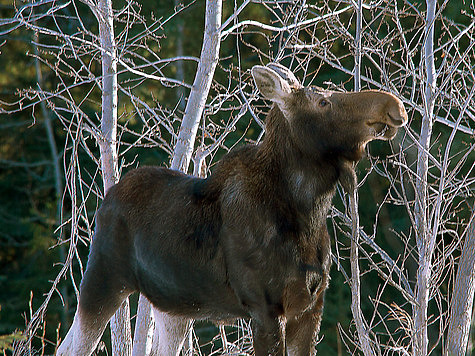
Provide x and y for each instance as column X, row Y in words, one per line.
column 411, row 248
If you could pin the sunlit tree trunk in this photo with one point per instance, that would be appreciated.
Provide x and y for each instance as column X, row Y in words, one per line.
column 180, row 69
column 58, row 177
column 360, row 323
column 424, row 238
column 462, row 300
column 201, row 86
column 120, row 323
column 144, row 325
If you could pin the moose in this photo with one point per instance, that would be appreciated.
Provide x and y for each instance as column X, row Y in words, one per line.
column 250, row 241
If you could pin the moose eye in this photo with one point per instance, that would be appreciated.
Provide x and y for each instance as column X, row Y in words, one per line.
column 322, row 103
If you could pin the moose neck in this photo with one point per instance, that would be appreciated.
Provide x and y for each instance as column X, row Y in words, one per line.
column 307, row 182
column 280, row 150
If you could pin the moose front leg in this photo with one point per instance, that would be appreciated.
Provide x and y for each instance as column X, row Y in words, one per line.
column 269, row 336
column 301, row 332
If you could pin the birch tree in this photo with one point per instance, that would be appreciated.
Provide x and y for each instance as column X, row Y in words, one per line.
column 120, row 322
column 424, row 237
column 361, row 327
column 462, row 302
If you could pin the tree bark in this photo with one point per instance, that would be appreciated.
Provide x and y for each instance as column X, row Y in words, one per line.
column 357, row 68
column 201, row 86
column 180, row 69
column 187, row 134
column 120, row 322
column 361, row 327
column 58, row 177
column 360, row 323
column 424, row 239
column 144, row 324
column 462, row 300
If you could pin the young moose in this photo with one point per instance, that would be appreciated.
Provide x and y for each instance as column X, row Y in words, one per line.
column 250, row 241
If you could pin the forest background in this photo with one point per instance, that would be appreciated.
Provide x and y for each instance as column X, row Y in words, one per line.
column 50, row 175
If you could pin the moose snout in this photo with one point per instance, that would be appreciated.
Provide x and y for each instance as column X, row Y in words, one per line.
column 398, row 120
column 396, row 113
column 389, row 114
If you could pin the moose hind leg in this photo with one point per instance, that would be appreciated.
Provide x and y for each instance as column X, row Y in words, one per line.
column 82, row 338
column 170, row 333
column 101, row 295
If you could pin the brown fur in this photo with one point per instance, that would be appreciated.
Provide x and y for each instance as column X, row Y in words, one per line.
column 250, row 241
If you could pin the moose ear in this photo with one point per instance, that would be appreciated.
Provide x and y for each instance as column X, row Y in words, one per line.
column 286, row 74
column 270, row 84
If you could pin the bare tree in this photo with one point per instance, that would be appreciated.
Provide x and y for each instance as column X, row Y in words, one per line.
column 425, row 239
column 361, row 327
column 120, row 322
column 464, row 292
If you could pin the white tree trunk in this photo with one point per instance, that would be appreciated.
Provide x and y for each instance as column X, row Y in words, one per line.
column 58, row 179
column 201, row 86
column 425, row 240
column 360, row 323
column 361, row 327
column 186, row 138
column 120, row 322
column 357, row 68
column 144, row 325
column 108, row 144
column 180, row 69
column 462, row 300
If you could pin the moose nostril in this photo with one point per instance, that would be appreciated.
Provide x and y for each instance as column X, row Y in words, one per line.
column 397, row 120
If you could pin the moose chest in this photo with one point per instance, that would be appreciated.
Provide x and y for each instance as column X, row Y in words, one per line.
column 277, row 247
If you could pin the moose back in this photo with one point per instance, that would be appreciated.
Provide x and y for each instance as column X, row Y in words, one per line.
column 250, row 241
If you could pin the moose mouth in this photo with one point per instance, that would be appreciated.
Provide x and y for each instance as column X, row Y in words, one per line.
column 382, row 131
column 386, row 129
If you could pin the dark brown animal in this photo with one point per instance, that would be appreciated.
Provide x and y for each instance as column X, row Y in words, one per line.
column 250, row 241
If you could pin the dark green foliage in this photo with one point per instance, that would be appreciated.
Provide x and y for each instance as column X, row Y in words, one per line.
column 6, row 341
